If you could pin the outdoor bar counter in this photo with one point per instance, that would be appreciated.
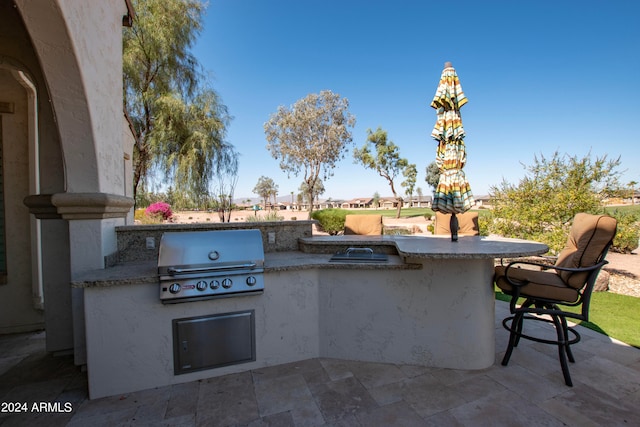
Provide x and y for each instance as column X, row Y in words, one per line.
column 431, row 304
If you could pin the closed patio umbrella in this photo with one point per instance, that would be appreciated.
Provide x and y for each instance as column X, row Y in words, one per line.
column 453, row 194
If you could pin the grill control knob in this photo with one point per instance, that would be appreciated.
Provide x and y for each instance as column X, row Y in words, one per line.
column 201, row 285
column 215, row 284
column 227, row 283
column 174, row 288
column 251, row 281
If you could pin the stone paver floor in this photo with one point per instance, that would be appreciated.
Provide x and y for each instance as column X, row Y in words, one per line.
column 330, row 392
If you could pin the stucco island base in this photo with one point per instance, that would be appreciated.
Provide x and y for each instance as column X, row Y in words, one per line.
column 439, row 316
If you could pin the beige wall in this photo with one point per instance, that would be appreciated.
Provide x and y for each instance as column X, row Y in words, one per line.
column 72, row 52
column 17, row 310
column 420, row 317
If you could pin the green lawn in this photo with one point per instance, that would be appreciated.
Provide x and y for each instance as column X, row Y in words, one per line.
column 391, row 213
column 405, row 213
column 414, row 212
column 614, row 315
column 625, row 208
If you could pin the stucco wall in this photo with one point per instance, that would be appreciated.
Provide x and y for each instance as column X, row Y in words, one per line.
column 72, row 49
column 130, row 341
column 96, row 33
column 17, row 53
column 17, row 312
column 79, row 45
column 439, row 316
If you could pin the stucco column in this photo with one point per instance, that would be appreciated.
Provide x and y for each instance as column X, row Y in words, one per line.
column 92, row 218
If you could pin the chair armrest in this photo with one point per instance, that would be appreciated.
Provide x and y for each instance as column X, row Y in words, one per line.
column 519, row 284
column 549, row 267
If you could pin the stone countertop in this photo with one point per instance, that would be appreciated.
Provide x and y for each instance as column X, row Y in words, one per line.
column 411, row 251
column 147, row 272
column 286, row 261
column 432, row 247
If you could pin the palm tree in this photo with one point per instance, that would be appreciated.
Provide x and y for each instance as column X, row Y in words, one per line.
column 632, row 185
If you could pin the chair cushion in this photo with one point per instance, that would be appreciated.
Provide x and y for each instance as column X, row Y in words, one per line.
column 587, row 239
column 541, row 284
column 363, row 224
column 467, row 223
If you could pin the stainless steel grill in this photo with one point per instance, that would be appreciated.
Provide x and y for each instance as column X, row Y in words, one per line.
column 199, row 265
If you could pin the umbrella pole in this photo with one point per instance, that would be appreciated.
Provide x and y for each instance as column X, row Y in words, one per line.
column 453, row 226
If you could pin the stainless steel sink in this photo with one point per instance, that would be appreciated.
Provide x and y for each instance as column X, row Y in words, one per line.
column 359, row 255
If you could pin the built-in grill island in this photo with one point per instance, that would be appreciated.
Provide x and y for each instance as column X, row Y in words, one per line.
column 311, row 307
column 200, row 265
column 204, row 265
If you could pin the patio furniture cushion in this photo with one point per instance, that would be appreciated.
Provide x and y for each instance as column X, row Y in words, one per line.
column 588, row 237
column 370, row 225
column 467, row 223
column 540, row 284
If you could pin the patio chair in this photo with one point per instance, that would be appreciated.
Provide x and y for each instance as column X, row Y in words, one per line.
column 370, row 225
column 552, row 288
column 467, row 224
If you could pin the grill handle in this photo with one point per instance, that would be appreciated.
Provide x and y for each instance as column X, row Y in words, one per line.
column 173, row 270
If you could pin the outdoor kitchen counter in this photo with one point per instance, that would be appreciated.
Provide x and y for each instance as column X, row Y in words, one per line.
column 431, row 304
column 430, row 247
column 140, row 273
column 405, row 252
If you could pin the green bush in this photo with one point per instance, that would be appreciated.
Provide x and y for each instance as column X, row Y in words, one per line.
column 626, row 239
column 543, row 204
column 483, row 224
column 330, row 220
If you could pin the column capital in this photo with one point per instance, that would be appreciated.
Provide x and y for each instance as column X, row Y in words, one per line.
column 78, row 205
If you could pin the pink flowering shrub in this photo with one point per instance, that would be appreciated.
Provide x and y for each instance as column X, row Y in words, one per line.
column 159, row 209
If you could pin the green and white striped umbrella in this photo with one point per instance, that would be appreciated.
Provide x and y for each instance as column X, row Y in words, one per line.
column 453, row 194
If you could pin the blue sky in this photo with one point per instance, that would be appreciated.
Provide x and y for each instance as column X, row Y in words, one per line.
column 541, row 76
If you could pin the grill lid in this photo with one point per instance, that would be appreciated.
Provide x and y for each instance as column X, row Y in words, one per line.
column 191, row 252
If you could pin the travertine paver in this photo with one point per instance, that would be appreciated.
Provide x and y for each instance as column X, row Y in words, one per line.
column 322, row 392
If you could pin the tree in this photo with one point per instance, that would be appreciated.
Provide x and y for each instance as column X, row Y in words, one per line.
column 300, row 200
column 225, row 180
column 419, row 193
column 543, row 204
column 386, row 160
column 376, row 199
column 632, row 191
column 314, row 194
column 265, row 188
column 433, row 176
column 310, row 136
column 180, row 122
column 274, row 197
column 410, row 173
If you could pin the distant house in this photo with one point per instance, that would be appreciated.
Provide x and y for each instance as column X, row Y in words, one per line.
column 483, row 200
column 362, row 203
column 329, row 204
column 418, row 202
column 388, row 202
